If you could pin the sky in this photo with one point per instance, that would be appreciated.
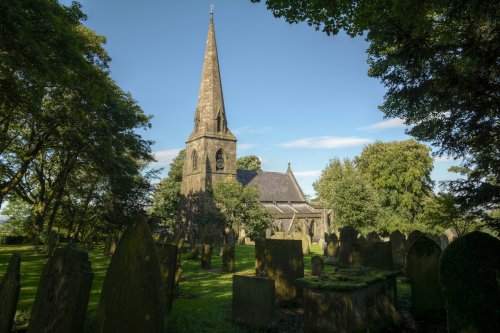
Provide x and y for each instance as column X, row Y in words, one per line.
column 292, row 94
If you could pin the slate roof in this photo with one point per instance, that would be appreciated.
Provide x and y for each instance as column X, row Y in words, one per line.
column 273, row 186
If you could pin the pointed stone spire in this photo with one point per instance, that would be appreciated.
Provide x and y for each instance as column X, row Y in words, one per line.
column 210, row 115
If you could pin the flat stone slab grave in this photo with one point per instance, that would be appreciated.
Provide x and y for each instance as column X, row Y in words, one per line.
column 350, row 301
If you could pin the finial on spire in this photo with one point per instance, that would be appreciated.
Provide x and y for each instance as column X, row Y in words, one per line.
column 212, row 9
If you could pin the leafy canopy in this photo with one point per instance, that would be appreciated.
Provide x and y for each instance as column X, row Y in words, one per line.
column 250, row 162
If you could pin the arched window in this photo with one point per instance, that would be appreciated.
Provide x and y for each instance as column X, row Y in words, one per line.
column 219, row 160
column 194, row 158
column 219, row 122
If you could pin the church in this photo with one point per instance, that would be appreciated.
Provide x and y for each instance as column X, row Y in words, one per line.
column 211, row 157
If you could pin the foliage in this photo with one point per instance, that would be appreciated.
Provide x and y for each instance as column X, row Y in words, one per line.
column 468, row 272
column 250, row 162
column 240, row 207
column 439, row 62
column 167, row 195
column 400, row 172
column 19, row 221
column 348, row 193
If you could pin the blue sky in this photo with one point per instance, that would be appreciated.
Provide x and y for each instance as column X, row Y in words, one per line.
column 292, row 94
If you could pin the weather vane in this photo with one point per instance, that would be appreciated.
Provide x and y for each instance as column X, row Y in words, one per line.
column 212, row 8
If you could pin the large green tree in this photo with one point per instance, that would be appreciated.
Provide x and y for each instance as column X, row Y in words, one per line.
column 344, row 189
column 440, row 63
column 167, row 195
column 240, row 207
column 400, row 172
column 250, row 162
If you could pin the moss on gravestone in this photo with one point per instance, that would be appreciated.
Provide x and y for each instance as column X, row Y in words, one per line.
column 9, row 293
column 469, row 272
column 131, row 297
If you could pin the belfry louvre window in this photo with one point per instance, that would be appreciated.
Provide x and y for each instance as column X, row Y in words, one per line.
column 195, row 160
column 219, row 160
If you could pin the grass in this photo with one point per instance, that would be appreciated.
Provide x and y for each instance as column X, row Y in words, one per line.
column 204, row 304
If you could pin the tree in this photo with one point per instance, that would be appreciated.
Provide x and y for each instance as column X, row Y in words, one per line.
column 250, row 162
column 400, row 173
column 167, row 195
column 240, row 207
column 439, row 61
column 344, row 189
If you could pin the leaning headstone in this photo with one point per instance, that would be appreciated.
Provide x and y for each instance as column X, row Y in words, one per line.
column 9, row 293
column 63, row 293
column 253, row 301
column 317, row 265
column 206, row 256
column 132, row 294
column 469, row 273
column 51, row 243
column 167, row 256
column 422, row 270
column 228, row 258
column 348, row 239
column 397, row 240
column 373, row 237
column 284, row 262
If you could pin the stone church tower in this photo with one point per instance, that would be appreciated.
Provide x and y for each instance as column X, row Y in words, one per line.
column 211, row 147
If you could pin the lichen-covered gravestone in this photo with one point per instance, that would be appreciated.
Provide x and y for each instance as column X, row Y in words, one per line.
column 469, row 273
column 397, row 240
column 318, row 265
column 253, row 301
column 9, row 293
column 348, row 239
column 228, row 258
column 422, row 271
column 304, row 239
column 132, row 294
column 206, row 256
column 284, row 262
column 63, row 293
column 167, row 256
column 332, row 247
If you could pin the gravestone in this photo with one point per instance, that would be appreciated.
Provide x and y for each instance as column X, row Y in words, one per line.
column 422, row 271
column 304, row 239
column 318, row 265
column 278, row 235
column 167, row 256
column 284, row 262
column 411, row 238
column 469, row 271
column 373, row 237
column 260, row 251
column 228, row 258
column 194, row 253
column 132, row 294
column 448, row 236
column 51, row 243
column 63, row 292
column 253, row 301
column 397, row 240
column 332, row 247
column 348, row 239
column 206, row 256
column 376, row 255
column 9, row 293
column 178, row 271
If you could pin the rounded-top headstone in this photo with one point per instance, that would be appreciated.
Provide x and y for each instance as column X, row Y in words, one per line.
column 373, row 237
column 469, row 273
column 397, row 240
column 412, row 237
column 132, row 295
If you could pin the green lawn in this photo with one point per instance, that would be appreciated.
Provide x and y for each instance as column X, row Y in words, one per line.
column 204, row 304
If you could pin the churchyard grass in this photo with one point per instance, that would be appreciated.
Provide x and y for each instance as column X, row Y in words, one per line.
column 204, row 304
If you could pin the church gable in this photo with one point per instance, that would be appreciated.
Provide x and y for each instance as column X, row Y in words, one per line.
column 273, row 186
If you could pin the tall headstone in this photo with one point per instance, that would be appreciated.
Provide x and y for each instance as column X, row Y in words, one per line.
column 228, row 258
column 253, row 301
column 284, row 262
column 63, row 292
column 9, row 293
column 317, row 265
column 397, row 240
column 305, row 241
column 132, row 294
column 348, row 239
column 422, row 270
column 332, row 247
column 167, row 256
column 206, row 256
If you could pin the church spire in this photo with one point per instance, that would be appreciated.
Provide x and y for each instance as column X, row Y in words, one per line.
column 210, row 117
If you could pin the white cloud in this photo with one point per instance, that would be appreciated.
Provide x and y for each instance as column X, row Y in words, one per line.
column 165, row 157
column 385, row 124
column 252, row 130
column 327, row 142
column 307, row 174
column 245, row 146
